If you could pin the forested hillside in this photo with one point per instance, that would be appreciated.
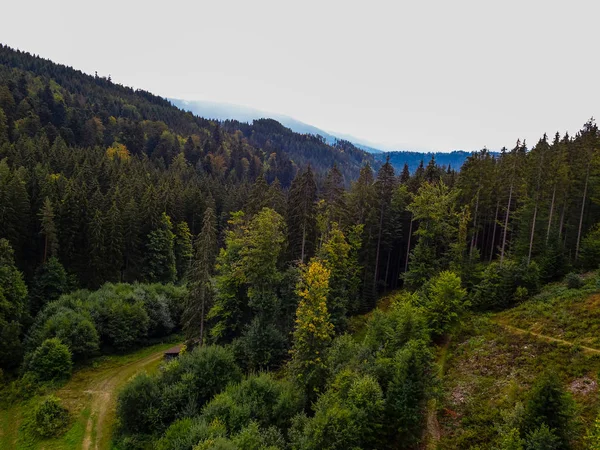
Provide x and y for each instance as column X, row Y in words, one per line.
column 125, row 220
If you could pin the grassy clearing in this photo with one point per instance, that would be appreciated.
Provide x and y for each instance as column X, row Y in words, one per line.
column 90, row 396
column 569, row 314
column 490, row 369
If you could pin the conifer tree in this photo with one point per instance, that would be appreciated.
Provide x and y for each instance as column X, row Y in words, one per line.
column 334, row 196
column 50, row 282
column 339, row 255
column 97, row 242
column 301, row 217
column 276, row 197
column 259, row 196
column 160, row 257
column 132, row 250
column 13, row 313
column 114, row 243
column 433, row 207
column 184, row 249
column 384, row 186
column 48, row 229
column 3, row 127
column 200, row 293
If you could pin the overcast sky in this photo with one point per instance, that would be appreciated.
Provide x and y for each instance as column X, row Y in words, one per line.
column 414, row 75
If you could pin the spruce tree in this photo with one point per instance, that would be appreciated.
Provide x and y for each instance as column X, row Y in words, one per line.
column 301, row 217
column 13, row 313
column 184, row 249
column 384, row 186
column 200, row 293
column 48, row 229
column 114, row 243
column 160, row 258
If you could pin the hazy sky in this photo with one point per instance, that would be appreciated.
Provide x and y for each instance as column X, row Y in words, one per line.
column 421, row 75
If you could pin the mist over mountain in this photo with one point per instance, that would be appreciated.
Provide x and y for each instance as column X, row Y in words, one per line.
column 229, row 111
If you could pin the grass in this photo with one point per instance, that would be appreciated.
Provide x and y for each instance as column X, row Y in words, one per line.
column 490, row 367
column 90, row 396
column 569, row 314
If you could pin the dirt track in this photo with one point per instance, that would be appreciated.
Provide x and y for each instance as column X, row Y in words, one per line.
column 103, row 392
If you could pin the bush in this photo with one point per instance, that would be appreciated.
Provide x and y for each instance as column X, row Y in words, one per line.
column 122, row 322
column 389, row 331
column 148, row 404
column 543, row 438
column 50, row 417
column 185, row 433
column 262, row 346
column 74, row 330
column 349, row 415
column 139, row 405
column 51, row 361
column 444, row 302
column 498, row 288
column 210, row 368
column 574, row 281
column 258, row 398
column 549, row 405
column 50, row 282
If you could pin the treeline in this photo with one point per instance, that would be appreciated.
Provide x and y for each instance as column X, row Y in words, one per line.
column 398, row 159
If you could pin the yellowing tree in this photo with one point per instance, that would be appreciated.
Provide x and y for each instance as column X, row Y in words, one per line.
column 313, row 330
column 118, row 151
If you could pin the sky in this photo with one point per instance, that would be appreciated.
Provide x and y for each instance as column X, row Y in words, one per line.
column 409, row 75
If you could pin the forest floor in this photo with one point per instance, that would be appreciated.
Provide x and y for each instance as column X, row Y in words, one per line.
column 494, row 359
column 90, row 395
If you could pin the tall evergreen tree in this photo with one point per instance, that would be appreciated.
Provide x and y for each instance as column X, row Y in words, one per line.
column 48, row 229
column 184, row 249
column 13, row 313
column 301, row 217
column 200, row 290
column 160, row 257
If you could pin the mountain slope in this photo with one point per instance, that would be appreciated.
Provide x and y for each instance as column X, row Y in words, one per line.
column 228, row 111
column 80, row 99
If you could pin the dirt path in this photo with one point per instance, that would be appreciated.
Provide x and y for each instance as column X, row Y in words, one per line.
column 103, row 402
column 545, row 337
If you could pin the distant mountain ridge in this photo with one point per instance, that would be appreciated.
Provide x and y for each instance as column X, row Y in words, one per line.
column 454, row 159
column 229, row 111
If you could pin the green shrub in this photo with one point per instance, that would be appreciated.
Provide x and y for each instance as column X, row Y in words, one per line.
column 511, row 441
column 151, row 403
column 210, row 369
column 186, row 433
column 73, row 329
column 543, row 438
column 592, row 438
column 407, row 391
column 51, row 361
column 389, row 331
column 139, row 405
column 498, row 287
column 122, row 321
column 253, row 437
column 50, row 417
column 549, row 405
column 349, row 415
column 574, row 281
column 444, row 302
column 258, row 398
